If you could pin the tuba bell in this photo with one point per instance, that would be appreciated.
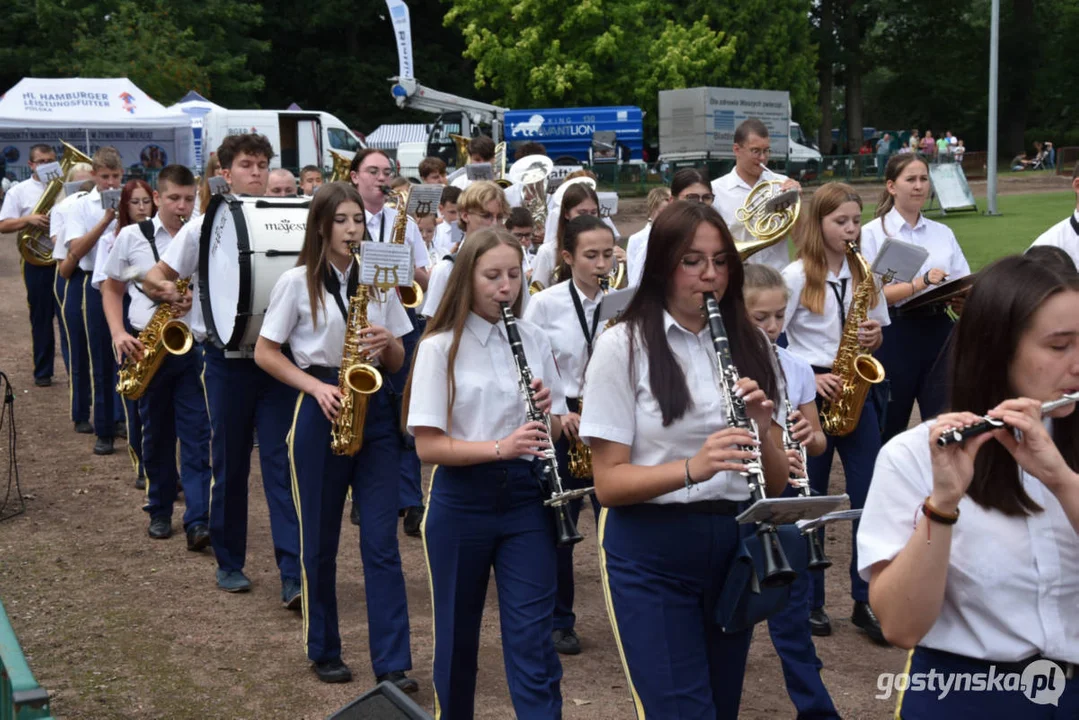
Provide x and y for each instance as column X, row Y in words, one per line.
column 768, row 214
column 34, row 243
column 342, row 168
column 462, row 149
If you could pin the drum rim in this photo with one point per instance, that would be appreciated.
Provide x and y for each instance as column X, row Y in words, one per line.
column 243, row 246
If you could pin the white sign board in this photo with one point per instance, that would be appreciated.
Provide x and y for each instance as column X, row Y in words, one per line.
column 951, row 188
column 703, row 120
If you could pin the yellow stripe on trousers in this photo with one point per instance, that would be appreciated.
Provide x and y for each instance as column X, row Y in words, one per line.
column 431, row 585
column 299, row 515
column 899, row 697
column 610, row 612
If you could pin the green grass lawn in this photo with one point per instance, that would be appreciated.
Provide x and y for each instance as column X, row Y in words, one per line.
column 1022, row 219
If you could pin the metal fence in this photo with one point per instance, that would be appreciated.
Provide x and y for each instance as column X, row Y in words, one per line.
column 21, row 698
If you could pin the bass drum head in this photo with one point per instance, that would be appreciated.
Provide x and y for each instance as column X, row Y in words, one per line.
column 219, row 268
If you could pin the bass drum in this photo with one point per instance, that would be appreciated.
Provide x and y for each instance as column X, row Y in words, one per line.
column 246, row 244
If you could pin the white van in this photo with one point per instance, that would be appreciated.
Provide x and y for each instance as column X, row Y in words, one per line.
column 803, row 161
column 298, row 137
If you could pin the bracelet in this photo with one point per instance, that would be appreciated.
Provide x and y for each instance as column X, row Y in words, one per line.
column 498, row 453
column 937, row 516
column 925, row 279
column 689, row 480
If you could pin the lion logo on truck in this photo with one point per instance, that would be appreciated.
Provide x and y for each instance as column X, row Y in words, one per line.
column 528, row 129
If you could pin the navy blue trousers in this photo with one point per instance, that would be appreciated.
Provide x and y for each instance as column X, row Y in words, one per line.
column 909, row 353
column 858, row 453
column 663, row 569
column 78, row 348
column 243, row 399
column 1004, row 699
column 479, row 517
column 320, row 482
column 174, row 407
column 108, row 409
column 39, row 296
column 411, row 479
column 59, row 288
column 564, row 617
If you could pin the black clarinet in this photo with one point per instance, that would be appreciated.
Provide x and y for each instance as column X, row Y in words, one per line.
column 550, row 482
column 777, row 571
column 817, row 559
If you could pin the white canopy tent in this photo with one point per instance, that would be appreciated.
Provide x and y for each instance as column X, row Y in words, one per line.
column 196, row 107
column 90, row 113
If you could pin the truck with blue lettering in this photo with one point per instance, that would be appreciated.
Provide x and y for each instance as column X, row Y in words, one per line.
column 585, row 134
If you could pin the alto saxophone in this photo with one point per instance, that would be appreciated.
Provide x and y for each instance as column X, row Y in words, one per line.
column 856, row 370
column 164, row 334
column 358, row 379
column 411, row 297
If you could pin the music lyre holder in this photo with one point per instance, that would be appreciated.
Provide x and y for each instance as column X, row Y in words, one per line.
column 787, row 510
column 563, row 498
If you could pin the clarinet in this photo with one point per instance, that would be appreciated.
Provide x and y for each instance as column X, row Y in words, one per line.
column 777, row 571
column 815, row 548
column 550, row 482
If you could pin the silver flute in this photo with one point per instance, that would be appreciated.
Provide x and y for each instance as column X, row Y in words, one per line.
column 988, row 424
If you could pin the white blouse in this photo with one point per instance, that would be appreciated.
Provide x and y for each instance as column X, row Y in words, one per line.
column 288, row 319
column 1013, row 582
column 487, row 404
column 553, row 311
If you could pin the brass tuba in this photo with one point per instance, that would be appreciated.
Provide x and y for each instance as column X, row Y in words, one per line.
column 358, row 379
column 342, row 168
column 857, row 370
column 163, row 334
column 462, row 149
column 34, row 244
column 768, row 214
column 411, row 297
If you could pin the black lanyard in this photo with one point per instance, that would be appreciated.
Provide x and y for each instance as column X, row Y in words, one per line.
column 1075, row 224
column 147, row 228
column 381, row 223
column 839, row 289
column 589, row 335
column 333, row 285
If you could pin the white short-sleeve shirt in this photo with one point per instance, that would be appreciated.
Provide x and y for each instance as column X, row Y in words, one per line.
column 801, row 386
column 1012, row 588
column 815, row 337
column 636, row 252
column 937, row 238
column 621, row 407
column 440, row 277
column 488, row 404
column 446, row 236
column 554, row 312
column 87, row 213
column 380, row 227
column 1064, row 236
column 182, row 255
column 731, row 192
column 21, row 198
column 58, row 223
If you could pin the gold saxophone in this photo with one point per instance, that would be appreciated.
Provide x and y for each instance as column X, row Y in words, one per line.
column 341, row 168
column 411, row 297
column 163, row 334
column 34, row 245
column 856, row 369
column 358, row 379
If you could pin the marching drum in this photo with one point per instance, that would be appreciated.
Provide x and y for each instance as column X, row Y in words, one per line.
column 247, row 243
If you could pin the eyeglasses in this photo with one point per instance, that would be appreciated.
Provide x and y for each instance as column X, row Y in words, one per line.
column 707, row 198
column 697, row 264
column 375, row 172
column 523, row 236
column 758, row 152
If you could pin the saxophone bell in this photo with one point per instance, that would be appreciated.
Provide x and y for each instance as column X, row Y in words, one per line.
column 363, row 378
column 176, row 338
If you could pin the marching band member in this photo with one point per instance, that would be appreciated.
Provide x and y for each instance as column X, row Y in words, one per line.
column 587, row 256
column 15, row 215
column 914, row 339
column 766, row 302
column 987, row 580
column 173, row 406
column 241, row 399
column 1065, row 234
column 687, row 184
column 522, row 226
column 482, row 205
column 637, row 245
column 136, row 205
column 87, row 223
column 822, row 288
column 72, row 330
column 485, row 507
column 481, row 149
column 448, row 233
column 203, row 196
column 667, row 471
column 309, row 309
column 578, row 198
column 752, row 149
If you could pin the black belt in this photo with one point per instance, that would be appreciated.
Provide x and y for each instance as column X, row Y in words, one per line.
column 1017, row 667
column 573, row 404
column 322, row 372
column 704, row 507
column 818, row 370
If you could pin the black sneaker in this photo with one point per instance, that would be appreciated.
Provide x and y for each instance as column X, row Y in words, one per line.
column 403, row 682
column 84, row 428
column 819, row 623
column 413, row 518
column 566, row 642
column 140, row 482
column 198, row 537
column 291, row 594
column 864, row 618
column 103, row 446
column 43, row 382
column 332, row 671
column 160, row 527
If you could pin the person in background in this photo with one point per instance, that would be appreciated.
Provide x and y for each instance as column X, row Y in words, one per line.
column 1065, row 234
column 310, row 180
column 432, row 171
column 282, row 183
column 213, row 169
column 637, row 246
column 521, row 226
column 426, row 223
column 448, row 233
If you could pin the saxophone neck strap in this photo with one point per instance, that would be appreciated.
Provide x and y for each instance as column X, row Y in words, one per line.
column 839, row 289
column 333, row 285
